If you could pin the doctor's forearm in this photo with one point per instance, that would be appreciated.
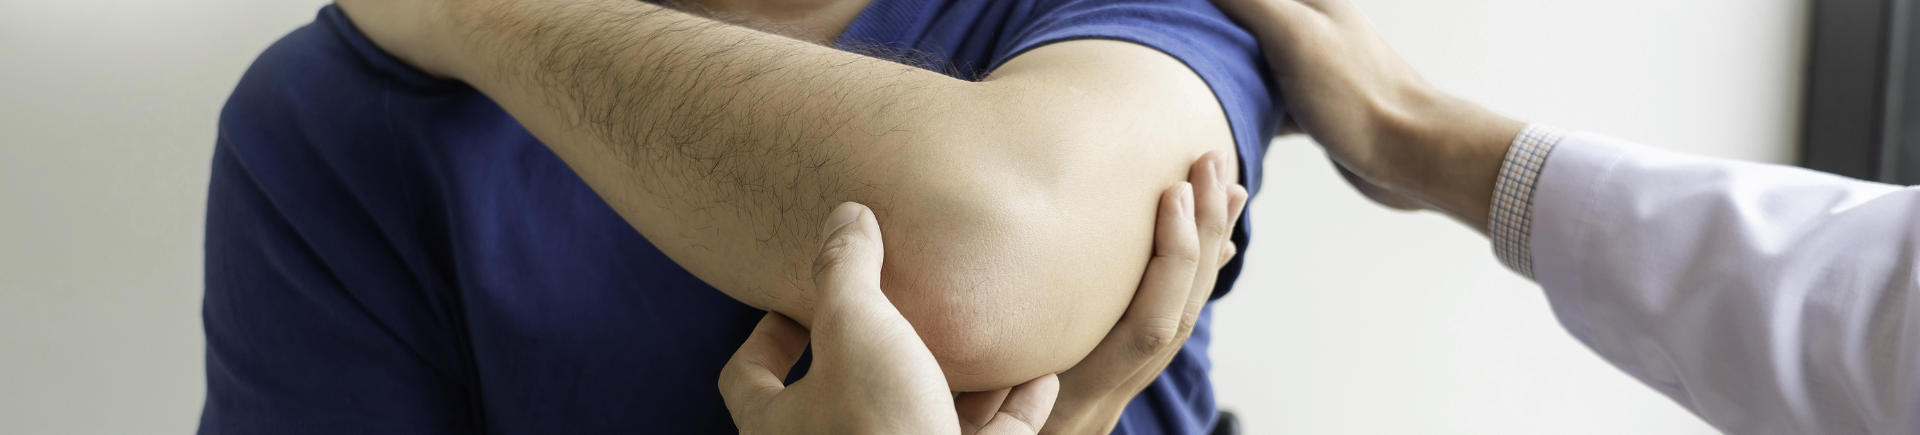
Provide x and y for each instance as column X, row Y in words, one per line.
column 1764, row 298
column 1447, row 155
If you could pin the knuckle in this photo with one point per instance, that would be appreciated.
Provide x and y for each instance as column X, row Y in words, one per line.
column 1187, row 321
column 837, row 253
column 1217, row 226
column 730, row 379
column 1157, row 335
column 1187, row 256
column 1185, row 252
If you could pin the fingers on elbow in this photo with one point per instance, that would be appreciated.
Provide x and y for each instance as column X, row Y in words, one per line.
column 1161, row 334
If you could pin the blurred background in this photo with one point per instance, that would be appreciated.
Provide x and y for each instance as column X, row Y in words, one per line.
column 1350, row 319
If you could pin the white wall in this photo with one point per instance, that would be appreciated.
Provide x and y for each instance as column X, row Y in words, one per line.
column 1355, row 319
column 1351, row 320
column 107, row 112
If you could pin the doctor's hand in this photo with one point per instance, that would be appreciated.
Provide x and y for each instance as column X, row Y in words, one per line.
column 1396, row 137
column 871, row 373
column 1191, row 241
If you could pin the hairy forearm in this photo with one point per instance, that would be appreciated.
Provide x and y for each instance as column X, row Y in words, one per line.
column 714, row 140
column 683, row 98
column 725, row 147
column 1018, row 211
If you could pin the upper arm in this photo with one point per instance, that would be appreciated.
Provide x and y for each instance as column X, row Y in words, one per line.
column 289, row 349
column 313, row 322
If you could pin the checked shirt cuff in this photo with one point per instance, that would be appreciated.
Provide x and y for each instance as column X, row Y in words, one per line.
column 1510, row 221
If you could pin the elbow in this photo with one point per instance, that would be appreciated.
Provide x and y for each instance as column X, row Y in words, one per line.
column 1006, row 282
column 1029, row 230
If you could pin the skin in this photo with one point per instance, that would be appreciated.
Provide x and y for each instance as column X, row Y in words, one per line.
column 1397, row 138
column 1164, row 309
column 1393, row 135
column 724, row 146
column 1018, row 209
column 863, row 348
column 871, row 373
column 817, row 21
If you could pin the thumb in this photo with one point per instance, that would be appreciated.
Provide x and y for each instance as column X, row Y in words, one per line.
column 856, row 330
column 849, row 309
column 847, row 272
column 1026, row 408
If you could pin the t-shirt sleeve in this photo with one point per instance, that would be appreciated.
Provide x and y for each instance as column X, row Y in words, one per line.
column 1224, row 55
column 313, row 325
column 289, row 350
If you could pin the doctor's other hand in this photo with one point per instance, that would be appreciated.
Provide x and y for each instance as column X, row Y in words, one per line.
column 871, row 373
column 1192, row 239
column 1396, row 137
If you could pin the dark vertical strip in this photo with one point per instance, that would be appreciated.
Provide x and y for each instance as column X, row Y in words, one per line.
column 1901, row 145
column 1845, row 113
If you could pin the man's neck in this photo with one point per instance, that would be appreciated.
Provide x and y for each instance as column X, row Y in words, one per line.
column 819, row 21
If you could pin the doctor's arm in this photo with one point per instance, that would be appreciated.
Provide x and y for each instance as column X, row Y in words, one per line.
column 1763, row 298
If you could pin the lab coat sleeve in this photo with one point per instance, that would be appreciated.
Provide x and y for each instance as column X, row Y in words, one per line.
column 1764, row 298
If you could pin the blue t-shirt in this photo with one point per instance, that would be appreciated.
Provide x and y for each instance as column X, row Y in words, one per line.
column 391, row 253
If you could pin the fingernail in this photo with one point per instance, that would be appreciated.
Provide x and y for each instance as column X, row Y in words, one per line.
column 842, row 215
column 1185, row 198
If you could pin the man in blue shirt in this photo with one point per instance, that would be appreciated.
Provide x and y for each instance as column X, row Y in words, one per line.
column 514, row 216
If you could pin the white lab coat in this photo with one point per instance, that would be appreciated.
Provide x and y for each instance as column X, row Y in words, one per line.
column 1766, row 299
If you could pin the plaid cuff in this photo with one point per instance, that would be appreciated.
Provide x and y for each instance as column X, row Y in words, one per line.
column 1510, row 221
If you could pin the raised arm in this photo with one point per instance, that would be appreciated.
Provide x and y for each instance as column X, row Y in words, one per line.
column 1018, row 210
column 1764, row 298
